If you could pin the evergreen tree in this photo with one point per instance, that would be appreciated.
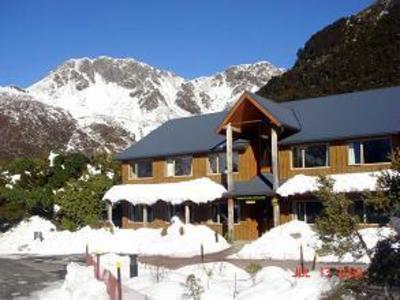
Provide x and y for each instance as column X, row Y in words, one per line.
column 337, row 227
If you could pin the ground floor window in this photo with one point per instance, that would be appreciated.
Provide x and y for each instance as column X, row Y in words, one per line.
column 368, row 214
column 219, row 213
column 308, row 211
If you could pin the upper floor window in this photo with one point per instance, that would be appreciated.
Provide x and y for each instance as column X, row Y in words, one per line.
column 370, row 151
column 141, row 169
column 217, row 162
column 312, row 156
column 179, row 166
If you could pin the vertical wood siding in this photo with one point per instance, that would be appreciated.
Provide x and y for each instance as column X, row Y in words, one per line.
column 338, row 158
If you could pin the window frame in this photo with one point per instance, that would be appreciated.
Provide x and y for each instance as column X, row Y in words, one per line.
column 217, row 154
column 173, row 158
column 303, row 157
column 133, row 169
column 361, row 141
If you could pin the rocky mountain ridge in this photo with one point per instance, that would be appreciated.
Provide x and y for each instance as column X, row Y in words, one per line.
column 105, row 103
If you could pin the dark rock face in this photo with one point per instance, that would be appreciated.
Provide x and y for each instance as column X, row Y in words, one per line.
column 30, row 128
column 355, row 53
column 185, row 99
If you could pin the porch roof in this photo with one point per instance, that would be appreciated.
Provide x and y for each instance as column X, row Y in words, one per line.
column 258, row 185
column 200, row 190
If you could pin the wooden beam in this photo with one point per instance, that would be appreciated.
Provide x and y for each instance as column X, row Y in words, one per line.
column 276, row 211
column 229, row 158
column 109, row 212
column 274, row 158
column 187, row 213
column 231, row 220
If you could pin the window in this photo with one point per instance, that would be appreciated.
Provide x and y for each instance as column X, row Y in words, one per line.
column 367, row 213
column 179, row 166
column 308, row 211
column 217, row 162
column 265, row 153
column 222, row 210
column 142, row 169
column 310, row 156
column 368, row 152
column 135, row 213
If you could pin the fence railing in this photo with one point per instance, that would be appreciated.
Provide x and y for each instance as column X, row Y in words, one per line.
column 115, row 289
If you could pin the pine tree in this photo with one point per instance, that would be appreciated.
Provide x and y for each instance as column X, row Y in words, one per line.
column 337, row 227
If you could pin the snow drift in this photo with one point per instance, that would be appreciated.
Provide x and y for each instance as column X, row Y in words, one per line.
column 283, row 242
column 145, row 241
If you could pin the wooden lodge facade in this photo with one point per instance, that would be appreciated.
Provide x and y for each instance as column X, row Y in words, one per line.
column 254, row 148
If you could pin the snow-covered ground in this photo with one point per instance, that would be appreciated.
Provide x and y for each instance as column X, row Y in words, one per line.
column 283, row 242
column 181, row 240
column 217, row 280
column 79, row 284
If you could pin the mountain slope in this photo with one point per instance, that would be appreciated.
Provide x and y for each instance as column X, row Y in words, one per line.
column 32, row 128
column 354, row 53
column 113, row 98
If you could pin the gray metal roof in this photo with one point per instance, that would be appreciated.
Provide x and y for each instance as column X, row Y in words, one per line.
column 284, row 115
column 258, row 185
column 182, row 136
column 344, row 116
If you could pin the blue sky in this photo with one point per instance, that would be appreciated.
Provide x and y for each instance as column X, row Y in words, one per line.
column 190, row 38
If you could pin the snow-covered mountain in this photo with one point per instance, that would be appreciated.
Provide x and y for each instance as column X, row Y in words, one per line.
column 32, row 128
column 117, row 101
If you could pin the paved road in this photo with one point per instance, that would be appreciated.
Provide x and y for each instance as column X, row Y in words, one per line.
column 21, row 276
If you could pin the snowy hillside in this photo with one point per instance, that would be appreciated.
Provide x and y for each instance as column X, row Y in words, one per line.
column 29, row 127
column 111, row 97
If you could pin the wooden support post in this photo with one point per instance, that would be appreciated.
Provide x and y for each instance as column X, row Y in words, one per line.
column 187, row 213
column 231, row 205
column 229, row 179
column 109, row 212
column 274, row 159
column 145, row 216
column 229, row 157
column 276, row 211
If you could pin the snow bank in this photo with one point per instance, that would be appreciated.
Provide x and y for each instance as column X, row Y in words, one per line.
column 351, row 182
column 145, row 241
column 79, row 284
column 283, row 242
column 218, row 282
column 200, row 190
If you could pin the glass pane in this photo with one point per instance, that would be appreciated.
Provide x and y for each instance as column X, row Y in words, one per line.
column 222, row 162
column 300, row 211
column 183, row 166
column 377, row 151
column 374, row 216
column 354, row 153
column 315, row 156
column 235, row 163
column 313, row 211
column 144, row 169
column 358, row 210
column 265, row 153
column 297, row 158
column 213, row 163
column 137, row 213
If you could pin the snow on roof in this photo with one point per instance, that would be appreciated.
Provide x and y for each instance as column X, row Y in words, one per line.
column 200, row 190
column 344, row 183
